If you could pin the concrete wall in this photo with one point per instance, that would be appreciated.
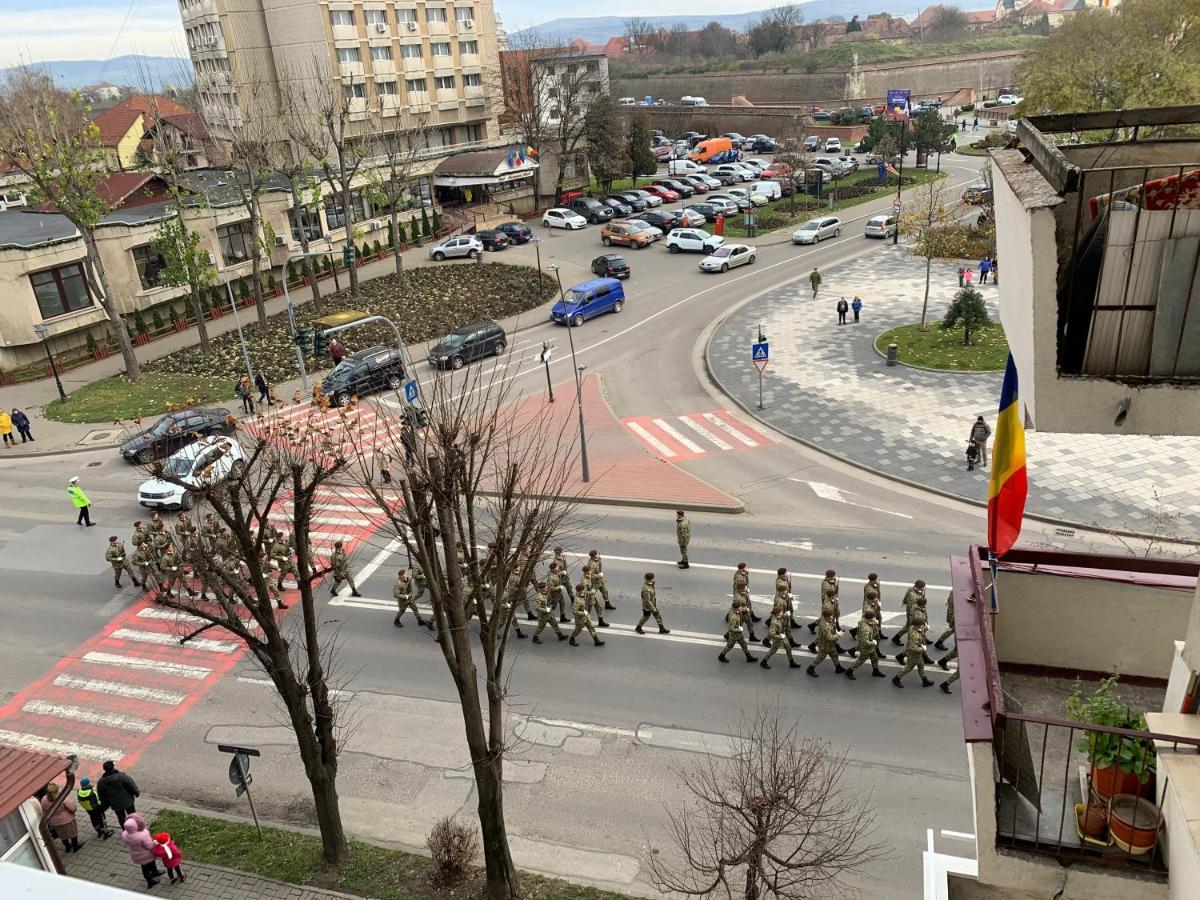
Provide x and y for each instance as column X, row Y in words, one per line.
column 779, row 122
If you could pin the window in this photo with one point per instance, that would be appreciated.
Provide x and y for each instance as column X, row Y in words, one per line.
column 406, row 15
column 341, row 17
column 356, row 91
column 333, row 208
column 414, row 85
column 386, row 88
column 593, row 67
column 375, row 16
column 472, row 79
column 440, row 48
column 348, row 55
column 381, row 53
column 468, row 48
column 236, row 241
column 411, row 51
column 435, row 14
column 62, row 290
column 444, row 82
column 309, row 219
column 149, row 266
column 464, row 13
column 472, row 132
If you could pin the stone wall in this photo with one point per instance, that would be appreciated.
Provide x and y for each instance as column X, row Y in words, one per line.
column 780, row 122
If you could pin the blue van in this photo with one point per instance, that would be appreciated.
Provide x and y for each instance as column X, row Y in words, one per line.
column 587, row 300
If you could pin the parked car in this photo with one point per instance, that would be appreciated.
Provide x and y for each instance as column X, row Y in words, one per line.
column 881, row 226
column 364, row 372
column 832, row 165
column 660, row 218
column 619, row 207
column 735, row 138
column 588, row 300
column 689, row 218
column 710, row 211
column 666, row 194
column 696, row 184
column 663, row 152
column 693, row 240
column 684, row 167
column 638, row 204
column 976, row 194
column 811, row 143
column 467, row 344
column 866, row 112
column 735, row 171
column 726, row 257
column 777, row 170
column 610, row 265
column 463, row 245
column 176, row 430
column 692, row 137
column 624, row 234
column 874, row 159
column 518, row 232
column 757, row 165
column 492, row 239
column 563, row 218
column 816, row 230
column 849, row 163
column 822, row 116
column 748, row 195
column 740, row 202
column 764, row 145
column 205, row 463
column 724, row 205
column 648, row 198
column 1009, row 99
column 591, row 209
column 861, row 146
column 674, row 184
column 713, row 150
column 708, row 180
column 769, row 190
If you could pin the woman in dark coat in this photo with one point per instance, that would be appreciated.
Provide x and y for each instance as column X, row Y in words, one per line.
column 21, row 423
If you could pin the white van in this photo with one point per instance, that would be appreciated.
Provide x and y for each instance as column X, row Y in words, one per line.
column 626, row 101
column 769, row 189
column 685, row 167
column 687, row 100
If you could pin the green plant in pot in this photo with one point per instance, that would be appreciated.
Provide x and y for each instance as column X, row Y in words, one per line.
column 1120, row 765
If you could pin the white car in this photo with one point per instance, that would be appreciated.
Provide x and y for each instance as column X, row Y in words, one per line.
column 815, row 230
column 733, row 170
column 713, row 183
column 757, row 165
column 1009, row 99
column 768, row 190
column 690, row 218
column 562, row 218
column 833, row 145
column 693, row 240
column 204, row 463
column 881, row 226
column 726, row 257
column 753, row 198
column 465, row 245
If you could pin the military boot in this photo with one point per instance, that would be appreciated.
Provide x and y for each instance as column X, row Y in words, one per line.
column 600, row 643
column 721, row 657
column 944, row 687
column 849, row 673
column 813, row 672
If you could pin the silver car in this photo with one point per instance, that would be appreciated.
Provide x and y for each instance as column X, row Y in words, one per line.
column 456, row 246
column 880, row 226
column 816, row 230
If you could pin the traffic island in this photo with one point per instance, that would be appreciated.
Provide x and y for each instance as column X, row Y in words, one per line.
column 942, row 349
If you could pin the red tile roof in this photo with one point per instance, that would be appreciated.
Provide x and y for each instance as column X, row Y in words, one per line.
column 22, row 772
column 189, row 123
column 115, row 123
column 153, row 104
column 983, row 16
column 122, row 189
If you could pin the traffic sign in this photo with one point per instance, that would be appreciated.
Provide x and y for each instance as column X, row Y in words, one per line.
column 895, row 207
column 760, row 353
column 410, row 391
column 239, row 769
column 547, row 354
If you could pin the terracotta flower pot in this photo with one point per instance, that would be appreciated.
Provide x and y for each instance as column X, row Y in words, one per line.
column 1110, row 781
column 1094, row 821
column 1134, row 822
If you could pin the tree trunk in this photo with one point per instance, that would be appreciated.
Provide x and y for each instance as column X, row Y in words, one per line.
column 349, row 215
column 335, row 849
column 201, row 325
column 133, row 369
column 925, row 302
column 395, row 222
column 502, row 880
column 256, row 265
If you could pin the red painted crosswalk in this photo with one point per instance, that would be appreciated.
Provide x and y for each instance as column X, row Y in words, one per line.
column 696, row 435
column 357, row 430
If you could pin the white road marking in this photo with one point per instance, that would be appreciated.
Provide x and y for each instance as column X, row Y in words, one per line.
column 267, row 682
column 120, row 689
column 179, row 670
column 730, row 430
column 837, row 495
column 329, row 536
column 61, row 748
column 705, row 433
column 157, row 637
column 650, row 439
column 584, row 726
column 324, row 520
column 172, row 615
column 787, row 545
column 687, row 442
column 91, row 716
column 369, row 569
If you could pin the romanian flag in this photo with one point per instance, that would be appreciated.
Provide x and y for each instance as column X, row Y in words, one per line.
column 890, row 168
column 1008, row 485
column 530, row 151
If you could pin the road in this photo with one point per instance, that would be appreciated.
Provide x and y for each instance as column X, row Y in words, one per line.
column 599, row 734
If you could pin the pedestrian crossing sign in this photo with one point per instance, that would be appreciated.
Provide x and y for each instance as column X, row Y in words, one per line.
column 760, row 353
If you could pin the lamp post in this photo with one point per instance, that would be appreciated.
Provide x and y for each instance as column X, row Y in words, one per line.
column 537, row 248
column 899, row 180
column 40, row 330
column 583, row 458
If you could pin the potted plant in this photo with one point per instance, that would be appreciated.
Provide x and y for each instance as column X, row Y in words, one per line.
column 1120, row 764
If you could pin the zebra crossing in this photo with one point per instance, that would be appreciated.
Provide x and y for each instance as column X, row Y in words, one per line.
column 696, row 435
column 347, row 431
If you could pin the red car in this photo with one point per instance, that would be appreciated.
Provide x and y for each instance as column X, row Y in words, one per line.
column 667, row 195
column 777, row 170
column 695, row 184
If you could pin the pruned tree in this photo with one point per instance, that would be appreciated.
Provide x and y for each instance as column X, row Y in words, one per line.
column 397, row 145
column 607, row 147
column 185, row 264
column 527, row 100
column 776, row 819
column 642, row 35
column 572, row 86
column 715, row 41
column 45, row 134
column 641, row 157
column 969, row 310
column 936, row 230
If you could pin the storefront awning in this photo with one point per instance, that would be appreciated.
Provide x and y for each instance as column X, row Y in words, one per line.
column 463, row 180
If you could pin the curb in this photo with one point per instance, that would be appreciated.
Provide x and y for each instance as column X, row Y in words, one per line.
column 66, row 452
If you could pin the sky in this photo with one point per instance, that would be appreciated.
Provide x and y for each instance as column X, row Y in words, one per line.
column 77, row 29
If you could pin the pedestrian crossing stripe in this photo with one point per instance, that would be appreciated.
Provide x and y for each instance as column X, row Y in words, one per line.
column 696, row 435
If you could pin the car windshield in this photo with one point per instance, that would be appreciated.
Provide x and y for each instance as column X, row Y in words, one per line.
column 635, row 227
column 616, row 262
column 575, row 296
column 810, row 226
column 163, row 426
column 450, row 340
column 721, row 251
column 345, row 367
column 179, row 466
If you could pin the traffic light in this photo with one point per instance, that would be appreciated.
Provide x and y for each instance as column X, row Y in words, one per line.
column 348, row 255
column 301, row 337
column 320, row 342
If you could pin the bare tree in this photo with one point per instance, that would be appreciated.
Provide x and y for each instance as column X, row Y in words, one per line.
column 294, row 161
column 774, row 820
column 572, row 85
column 397, row 143
column 526, row 93
column 641, row 34
column 936, row 229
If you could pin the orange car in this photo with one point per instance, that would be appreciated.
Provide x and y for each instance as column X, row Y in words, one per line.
column 626, row 234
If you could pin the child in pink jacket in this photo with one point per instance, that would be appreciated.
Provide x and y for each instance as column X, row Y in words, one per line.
column 168, row 851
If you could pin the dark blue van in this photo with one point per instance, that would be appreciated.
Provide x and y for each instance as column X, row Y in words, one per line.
column 587, row 300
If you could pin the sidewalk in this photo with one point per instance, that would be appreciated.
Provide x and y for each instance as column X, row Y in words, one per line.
column 827, row 387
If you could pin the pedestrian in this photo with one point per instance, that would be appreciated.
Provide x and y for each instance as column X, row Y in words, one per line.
column 944, row 665
column 115, row 557
column 89, row 802
column 842, row 308
column 118, row 791
column 814, row 278
column 336, row 351
column 856, row 306
column 241, row 388
column 650, row 606
column 683, row 536
column 264, row 390
column 21, row 423
column 985, row 268
column 545, row 614
column 341, row 571
column 972, row 454
column 961, row 273
column 62, row 823
column 168, row 851
column 779, row 638
column 915, row 652
column 582, row 619
column 402, row 591
column 140, row 844
column 6, row 427
column 962, row 124
column 827, row 645
column 940, row 643
column 980, row 432
column 967, row 276
column 868, row 646
column 81, row 501
column 594, row 567
column 975, row 126
column 734, row 633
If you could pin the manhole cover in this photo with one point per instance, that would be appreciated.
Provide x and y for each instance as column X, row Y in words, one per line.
column 93, row 465
column 102, row 436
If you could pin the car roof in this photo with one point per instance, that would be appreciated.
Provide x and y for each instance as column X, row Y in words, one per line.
column 512, row 224
column 475, row 326
column 594, row 283
column 610, row 256
column 192, row 450
column 364, row 354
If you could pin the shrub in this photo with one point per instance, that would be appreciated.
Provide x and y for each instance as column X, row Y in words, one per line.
column 454, row 846
column 437, row 220
column 139, row 323
column 157, row 319
column 364, row 251
column 243, row 289
column 91, row 343
column 400, row 235
column 425, row 232
column 290, row 272
column 376, row 247
column 967, row 107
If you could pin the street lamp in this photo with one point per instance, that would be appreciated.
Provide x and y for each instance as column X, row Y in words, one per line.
column 903, row 123
column 583, row 459
column 40, row 330
column 537, row 248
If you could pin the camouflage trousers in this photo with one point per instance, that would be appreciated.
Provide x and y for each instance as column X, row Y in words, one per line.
column 582, row 623
column 872, row 655
column 546, row 619
column 779, row 643
column 736, row 637
column 824, row 653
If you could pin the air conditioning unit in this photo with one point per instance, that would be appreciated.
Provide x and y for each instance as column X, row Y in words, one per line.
column 280, row 241
column 376, row 224
column 412, row 26
column 380, row 28
column 468, row 24
column 212, row 258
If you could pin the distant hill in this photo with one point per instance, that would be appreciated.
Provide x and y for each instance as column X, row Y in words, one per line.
column 598, row 29
column 153, row 72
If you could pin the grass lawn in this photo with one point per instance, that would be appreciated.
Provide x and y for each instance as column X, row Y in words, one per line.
column 372, row 872
column 118, row 398
column 942, row 348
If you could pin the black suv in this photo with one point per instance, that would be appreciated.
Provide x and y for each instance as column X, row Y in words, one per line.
column 364, row 372
column 467, row 344
column 175, row 430
column 591, row 209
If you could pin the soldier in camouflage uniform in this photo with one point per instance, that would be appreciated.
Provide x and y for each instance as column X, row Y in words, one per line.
column 341, row 571
column 683, row 536
column 555, row 580
column 545, row 614
column 873, row 602
column 514, row 588
column 734, row 633
column 159, row 540
column 741, row 591
column 582, row 619
column 650, row 606
column 560, row 557
column 595, row 568
column 783, row 602
column 915, row 650
column 868, row 643
column 140, row 536
column 827, row 645
column 147, row 566
column 115, row 557
column 513, row 595
column 829, row 607
column 829, row 588
column 910, row 603
column 919, row 614
column 172, row 574
column 593, row 595
column 949, row 632
column 779, row 636
column 281, row 556
column 944, row 665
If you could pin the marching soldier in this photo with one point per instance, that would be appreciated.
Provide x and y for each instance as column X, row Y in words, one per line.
column 184, row 527
column 514, row 589
column 231, row 577
column 739, row 605
column 139, row 536
column 827, row 645
column 172, row 572
column 829, row 587
column 281, row 557
column 560, row 557
column 910, row 604
column 211, row 528
column 582, row 619
column 944, row 665
column 915, row 651
column 593, row 595
column 147, row 566
column 949, row 632
column 868, row 643
column 115, row 557
column 783, row 601
column 513, row 594
column 734, row 633
column 595, row 568
column 158, row 537
column 545, row 614
column 741, row 592
column 558, row 591
column 683, row 535
column 872, row 599
column 829, row 607
column 779, row 637
column 650, row 606
column 341, row 571
column 919, row 614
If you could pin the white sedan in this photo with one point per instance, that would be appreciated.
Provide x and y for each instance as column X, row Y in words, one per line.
column 725, row 258
column 751, row 197
column 693, row 240
column 690, row 218
column 563, row 218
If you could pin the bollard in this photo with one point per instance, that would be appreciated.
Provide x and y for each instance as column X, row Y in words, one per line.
column 892, row 353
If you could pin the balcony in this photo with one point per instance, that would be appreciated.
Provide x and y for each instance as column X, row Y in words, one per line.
column 414, row 65
column 350, row 69
column 383, row 66
column 345, row 32
column 1100, row 248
